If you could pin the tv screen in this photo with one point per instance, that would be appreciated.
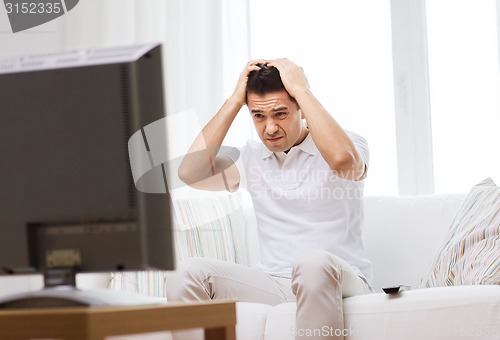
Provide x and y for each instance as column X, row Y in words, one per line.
column 67, row 194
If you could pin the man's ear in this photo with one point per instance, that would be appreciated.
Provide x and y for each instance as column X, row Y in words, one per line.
column 303, row 118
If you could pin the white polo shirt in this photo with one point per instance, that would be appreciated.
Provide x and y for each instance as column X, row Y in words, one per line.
column 300, row 204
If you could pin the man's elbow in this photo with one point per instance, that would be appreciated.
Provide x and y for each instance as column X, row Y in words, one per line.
column 184, row 175
column 348, row 166
column 188, row 174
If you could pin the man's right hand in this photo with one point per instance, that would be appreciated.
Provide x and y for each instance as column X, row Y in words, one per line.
column 239, row 95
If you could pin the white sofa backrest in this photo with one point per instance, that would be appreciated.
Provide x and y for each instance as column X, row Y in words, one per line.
column 404, row 233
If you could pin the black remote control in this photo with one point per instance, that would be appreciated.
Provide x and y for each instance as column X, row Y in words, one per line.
column 395, row 289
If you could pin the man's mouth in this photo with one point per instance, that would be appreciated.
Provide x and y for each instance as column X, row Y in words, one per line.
column 274, row 139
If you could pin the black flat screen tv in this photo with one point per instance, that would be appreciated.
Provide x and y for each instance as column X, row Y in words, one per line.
column 67, row 193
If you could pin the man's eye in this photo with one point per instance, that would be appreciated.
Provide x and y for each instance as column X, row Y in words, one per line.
column 280, row 114
column 258, row 115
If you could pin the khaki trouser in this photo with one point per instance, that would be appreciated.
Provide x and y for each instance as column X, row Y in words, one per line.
column 319, row 282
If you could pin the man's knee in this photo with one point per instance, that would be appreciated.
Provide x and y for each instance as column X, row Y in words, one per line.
column 190, row 273
column 314, row 268
column 316, row 261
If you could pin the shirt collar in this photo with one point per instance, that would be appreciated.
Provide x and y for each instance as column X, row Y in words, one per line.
column 307, row 146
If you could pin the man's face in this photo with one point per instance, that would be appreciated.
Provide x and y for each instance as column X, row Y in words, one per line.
column 277, row 120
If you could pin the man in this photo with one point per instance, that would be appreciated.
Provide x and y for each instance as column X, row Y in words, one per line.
column 306, row 182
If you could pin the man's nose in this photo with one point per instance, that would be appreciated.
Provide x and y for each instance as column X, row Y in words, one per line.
column 271, row 128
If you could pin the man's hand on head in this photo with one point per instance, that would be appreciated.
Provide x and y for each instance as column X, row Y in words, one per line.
column 239, row 94
column 292, row 76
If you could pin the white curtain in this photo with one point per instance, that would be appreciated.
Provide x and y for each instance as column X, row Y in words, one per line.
column 195, row 38
column 205, row 45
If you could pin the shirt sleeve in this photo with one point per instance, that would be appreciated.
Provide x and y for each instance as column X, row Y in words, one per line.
column 361, row 146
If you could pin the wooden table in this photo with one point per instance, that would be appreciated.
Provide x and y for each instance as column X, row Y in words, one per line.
column 218, row 318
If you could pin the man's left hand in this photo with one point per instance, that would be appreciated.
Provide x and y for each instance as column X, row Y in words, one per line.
column 292, row 76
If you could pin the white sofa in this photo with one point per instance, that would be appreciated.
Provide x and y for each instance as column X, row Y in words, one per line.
column 402, row 236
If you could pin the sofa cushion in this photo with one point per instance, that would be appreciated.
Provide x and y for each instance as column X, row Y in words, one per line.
column 470, row 254
column 465, row 312
column 252, row 320
column 281, row 322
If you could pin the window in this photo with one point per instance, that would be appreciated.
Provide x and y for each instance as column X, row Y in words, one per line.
column 465, row 92
column 445, row 59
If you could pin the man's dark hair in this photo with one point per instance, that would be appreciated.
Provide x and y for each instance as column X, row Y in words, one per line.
column 265, row 80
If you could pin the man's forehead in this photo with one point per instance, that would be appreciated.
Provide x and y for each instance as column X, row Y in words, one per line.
column 269, row 101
